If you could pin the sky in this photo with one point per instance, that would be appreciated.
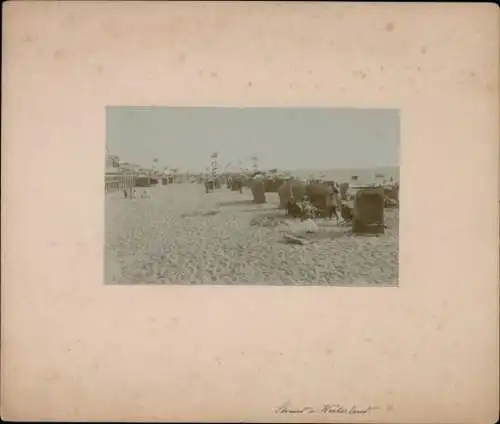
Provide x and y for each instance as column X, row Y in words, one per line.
column 283, row 138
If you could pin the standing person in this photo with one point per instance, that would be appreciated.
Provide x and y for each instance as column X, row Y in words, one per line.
column 293, row 209
column 333, row 202
column 338, row 203
column 125, row 193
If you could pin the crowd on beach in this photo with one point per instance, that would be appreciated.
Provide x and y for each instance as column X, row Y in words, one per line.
column 180, row 234
column 132, row 193
column 201, row 229
column 305, row 199
column 312, row 198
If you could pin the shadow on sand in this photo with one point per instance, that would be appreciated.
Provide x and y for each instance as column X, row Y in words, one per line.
column 237, row 203
column 309, row 238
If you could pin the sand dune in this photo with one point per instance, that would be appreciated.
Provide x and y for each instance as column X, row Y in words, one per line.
column 180, row 235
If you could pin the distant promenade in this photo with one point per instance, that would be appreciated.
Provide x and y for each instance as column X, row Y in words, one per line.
column 115, row 181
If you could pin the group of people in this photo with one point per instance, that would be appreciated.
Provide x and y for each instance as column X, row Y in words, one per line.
column 133, row 193
column 333, row 206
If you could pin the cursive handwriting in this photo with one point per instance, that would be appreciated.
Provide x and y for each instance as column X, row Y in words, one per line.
column 325, row 409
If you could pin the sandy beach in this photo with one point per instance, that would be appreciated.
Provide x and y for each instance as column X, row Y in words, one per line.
column 181, row 235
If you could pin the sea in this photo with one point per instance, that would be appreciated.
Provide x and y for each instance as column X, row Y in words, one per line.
column 354, row 176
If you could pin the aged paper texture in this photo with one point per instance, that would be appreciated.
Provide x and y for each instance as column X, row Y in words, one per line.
column 76, row 349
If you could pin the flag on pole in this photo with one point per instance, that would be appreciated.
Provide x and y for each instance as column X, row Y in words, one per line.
column 213, row 164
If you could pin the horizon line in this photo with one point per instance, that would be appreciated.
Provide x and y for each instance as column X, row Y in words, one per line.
column 334, row 168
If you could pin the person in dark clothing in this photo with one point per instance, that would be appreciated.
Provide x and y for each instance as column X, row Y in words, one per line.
column 333, row 202
column 293, row 209
column 347, row 213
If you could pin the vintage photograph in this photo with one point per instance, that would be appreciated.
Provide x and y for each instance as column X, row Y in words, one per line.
column 255, row 196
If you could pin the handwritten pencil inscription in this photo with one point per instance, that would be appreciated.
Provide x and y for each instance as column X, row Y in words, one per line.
column 286, row 408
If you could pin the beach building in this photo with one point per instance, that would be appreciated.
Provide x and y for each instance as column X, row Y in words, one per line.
column 116, row 177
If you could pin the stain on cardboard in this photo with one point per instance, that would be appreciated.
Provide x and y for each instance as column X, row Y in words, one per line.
column 59, row 55
column 360, row 74
column 181, row 57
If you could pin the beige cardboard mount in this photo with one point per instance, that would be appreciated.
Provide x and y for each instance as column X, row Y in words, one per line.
column 75, row 349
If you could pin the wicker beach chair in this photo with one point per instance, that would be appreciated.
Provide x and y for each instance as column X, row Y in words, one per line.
column 289, row 189
column 369, row 212
column 209, row 186
column 258, row 191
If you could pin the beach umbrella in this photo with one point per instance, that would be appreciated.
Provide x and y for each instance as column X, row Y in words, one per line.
column 255, row 162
